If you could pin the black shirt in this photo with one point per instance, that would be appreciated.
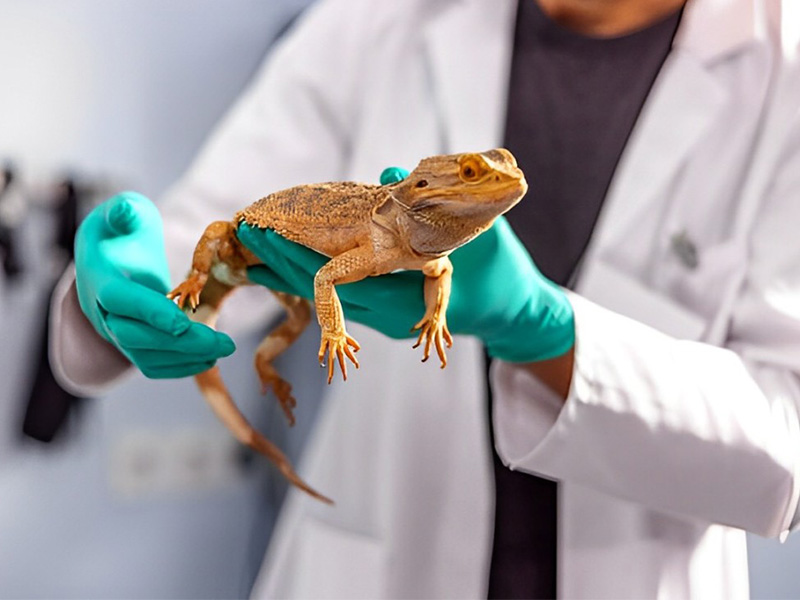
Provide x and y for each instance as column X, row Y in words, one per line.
column 573, row 101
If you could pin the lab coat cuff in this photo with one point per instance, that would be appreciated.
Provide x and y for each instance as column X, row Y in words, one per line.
column 82, row 361
column 604, row 436
column 529, row 416
column 524, row 412
column 792, row 521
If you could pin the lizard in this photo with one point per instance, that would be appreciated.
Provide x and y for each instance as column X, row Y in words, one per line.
column 365, row 230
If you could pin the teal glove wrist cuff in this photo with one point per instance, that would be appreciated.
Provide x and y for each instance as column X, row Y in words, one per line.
column 544, row 329
column 502, row 298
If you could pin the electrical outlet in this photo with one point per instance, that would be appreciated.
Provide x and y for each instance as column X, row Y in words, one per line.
column 147, row 462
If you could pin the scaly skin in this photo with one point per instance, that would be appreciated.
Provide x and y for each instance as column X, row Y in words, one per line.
column 366, row 230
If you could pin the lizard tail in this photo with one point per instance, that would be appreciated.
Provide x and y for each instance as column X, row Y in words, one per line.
column 218, row 397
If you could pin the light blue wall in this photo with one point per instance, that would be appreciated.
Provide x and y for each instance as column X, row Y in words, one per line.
column 774, row 568
column 126, row 91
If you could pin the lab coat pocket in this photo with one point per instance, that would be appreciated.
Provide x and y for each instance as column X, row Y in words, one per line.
column 333, row 562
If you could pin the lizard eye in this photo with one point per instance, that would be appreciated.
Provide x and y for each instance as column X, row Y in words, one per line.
column 471, row 170
column 422, row 183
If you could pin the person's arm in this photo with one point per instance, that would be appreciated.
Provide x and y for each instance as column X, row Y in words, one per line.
column 555, row 373
column 290, row 126
column 684, row 427
column 705, row 432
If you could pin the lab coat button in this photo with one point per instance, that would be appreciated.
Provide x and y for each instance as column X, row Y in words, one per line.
column 685, row 249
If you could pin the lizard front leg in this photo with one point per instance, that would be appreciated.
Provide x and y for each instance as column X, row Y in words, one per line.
column 352, row 265
column 433, row 325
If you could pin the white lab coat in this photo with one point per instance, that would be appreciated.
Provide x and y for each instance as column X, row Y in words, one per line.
column 668, row 446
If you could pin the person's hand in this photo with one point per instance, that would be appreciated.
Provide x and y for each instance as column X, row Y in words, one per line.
column 121, row 276
column 497, row 293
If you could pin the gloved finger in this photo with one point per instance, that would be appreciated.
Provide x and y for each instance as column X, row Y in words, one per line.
column 395, row 328
column 130, row 299
column 295, row 285
column 404, row 288
column 176, row 371
column 278, row 252
column 392, row 175
column 198, row 340
column 165, row 358
column 121, row 213
column 288, row 255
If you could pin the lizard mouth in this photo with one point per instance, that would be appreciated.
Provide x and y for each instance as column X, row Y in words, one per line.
column 503, row 196
column 498, row 191
column 488, row 192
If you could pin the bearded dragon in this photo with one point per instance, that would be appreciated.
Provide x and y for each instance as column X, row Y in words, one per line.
column 366, row 230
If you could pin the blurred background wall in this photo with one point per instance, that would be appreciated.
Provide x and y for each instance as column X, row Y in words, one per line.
column 142, row 493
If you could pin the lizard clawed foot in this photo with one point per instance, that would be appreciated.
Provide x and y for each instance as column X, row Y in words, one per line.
column 280, row 387
column 433, row 330
column 188, row 290
column 337, row 345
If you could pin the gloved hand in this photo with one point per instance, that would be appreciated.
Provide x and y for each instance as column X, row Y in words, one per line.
column 497, row 293
column 122, row 277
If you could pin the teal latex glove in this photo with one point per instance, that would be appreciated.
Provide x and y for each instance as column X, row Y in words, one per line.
column 121, row 276
column 393, row 175
column 498, row 294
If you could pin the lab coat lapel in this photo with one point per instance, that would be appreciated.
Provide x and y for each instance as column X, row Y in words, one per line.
column 681, row 106
column 685, row 100
column 468, row 45
column 469, row 55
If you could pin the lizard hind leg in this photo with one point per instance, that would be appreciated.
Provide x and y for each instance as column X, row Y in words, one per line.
column 218, row 397
column 206, row 252
column 279, row 339
column 218, row 251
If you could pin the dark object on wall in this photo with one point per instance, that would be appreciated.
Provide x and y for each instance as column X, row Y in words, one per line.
column 49, row 405
column 8, row 235
column 66, row 210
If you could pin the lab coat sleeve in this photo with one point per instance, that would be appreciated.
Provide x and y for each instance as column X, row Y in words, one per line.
column 290, row 126
column 684, row 427
column 84, row 363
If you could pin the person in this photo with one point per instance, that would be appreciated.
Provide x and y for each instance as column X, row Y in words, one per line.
column 662, row 145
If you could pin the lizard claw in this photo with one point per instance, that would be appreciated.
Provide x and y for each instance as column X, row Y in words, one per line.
column 188, row 290
column 281, row 388
column 433, row 330
column 336, row 346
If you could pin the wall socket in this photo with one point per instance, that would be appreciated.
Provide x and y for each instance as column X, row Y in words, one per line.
column 152, row 463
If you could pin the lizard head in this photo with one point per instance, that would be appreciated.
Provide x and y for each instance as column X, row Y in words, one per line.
column 448, row 200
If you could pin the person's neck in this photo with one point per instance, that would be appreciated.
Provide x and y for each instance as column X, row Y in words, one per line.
column 607, row 18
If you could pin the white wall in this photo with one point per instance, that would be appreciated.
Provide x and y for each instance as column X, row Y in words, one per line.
column 123, row 86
